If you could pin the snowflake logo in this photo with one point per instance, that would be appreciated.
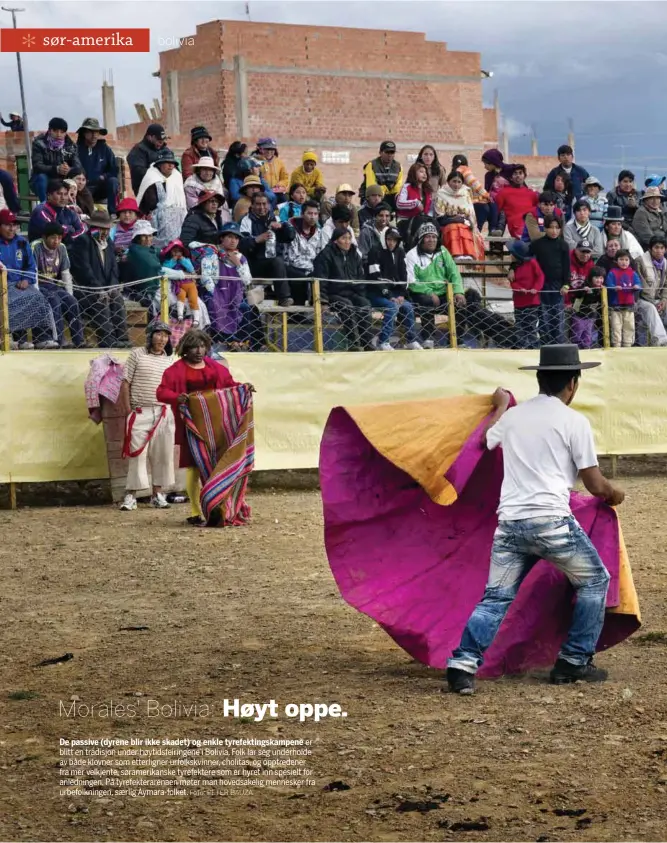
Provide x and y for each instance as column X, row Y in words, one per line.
column 29, row 41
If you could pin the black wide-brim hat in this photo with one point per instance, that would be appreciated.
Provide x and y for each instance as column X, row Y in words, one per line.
column 559, row 358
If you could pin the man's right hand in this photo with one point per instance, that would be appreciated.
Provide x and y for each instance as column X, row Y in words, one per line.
column 501, row 398
column 183, row 398
column 63, row 169
column 616, row 497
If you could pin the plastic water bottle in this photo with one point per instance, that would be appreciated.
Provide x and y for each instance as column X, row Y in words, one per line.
column 209, row 271
column 271, row 245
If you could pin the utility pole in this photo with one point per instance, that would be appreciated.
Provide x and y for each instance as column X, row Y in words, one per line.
column 26, row 134
column 570, row 135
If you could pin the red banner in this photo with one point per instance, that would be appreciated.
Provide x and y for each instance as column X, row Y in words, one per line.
column 75, row 40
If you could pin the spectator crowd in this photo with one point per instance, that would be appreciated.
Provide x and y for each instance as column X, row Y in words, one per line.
column 215, row 226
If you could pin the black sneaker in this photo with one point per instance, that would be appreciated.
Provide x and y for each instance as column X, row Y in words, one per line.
column 460, row 681
column 564, row 673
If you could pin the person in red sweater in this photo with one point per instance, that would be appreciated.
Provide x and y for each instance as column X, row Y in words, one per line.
column 194, row 372
column 527, row 281
column 516, row 200
column 581, row 263
column 414, row 202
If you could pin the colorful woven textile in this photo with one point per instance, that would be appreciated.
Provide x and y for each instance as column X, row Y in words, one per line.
column 220, row 430
column 410, row 494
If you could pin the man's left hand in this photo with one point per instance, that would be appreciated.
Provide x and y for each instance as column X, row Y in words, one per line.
column 22, row 285
column 251, row 387
column 459, row 300
column 276, row 225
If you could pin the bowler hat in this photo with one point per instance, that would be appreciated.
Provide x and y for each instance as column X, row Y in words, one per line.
column 614, row 214
column 559, row 358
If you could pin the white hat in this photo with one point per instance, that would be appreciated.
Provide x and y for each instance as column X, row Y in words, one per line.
column 592, row 180
column 206, row 162
column 142, row 227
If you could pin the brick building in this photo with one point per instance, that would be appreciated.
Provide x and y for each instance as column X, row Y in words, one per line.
column 335, row 90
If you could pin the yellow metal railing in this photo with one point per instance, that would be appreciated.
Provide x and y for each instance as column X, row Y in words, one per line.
column 281, row 337
column 4, row 308
column 604, row 296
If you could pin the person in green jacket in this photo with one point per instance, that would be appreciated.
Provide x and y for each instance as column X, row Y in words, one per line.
column 430, row 268
column 143, row 264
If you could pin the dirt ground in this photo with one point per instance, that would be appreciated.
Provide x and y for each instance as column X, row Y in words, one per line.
column 254, row 613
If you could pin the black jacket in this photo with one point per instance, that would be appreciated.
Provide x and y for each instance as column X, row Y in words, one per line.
column 45, row 161
column 622, row 200
column 139, row 159
column 252, row 226
column 553, row 256
column 88, row 270
column 198, row 226
column 387, row 265
column 333, row 263
column 98, row 160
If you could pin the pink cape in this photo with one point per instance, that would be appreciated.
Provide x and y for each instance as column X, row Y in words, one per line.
column 419, row 568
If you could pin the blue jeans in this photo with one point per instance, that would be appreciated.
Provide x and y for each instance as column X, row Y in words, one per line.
column 517, row 546
column 64, row 307
column 552, row 320
column 38, row 186
column 526, row 319
column 391, row 309
column 107, row 189
column 486, row 212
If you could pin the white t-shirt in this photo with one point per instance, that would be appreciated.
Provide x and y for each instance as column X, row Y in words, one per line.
column 545, row 445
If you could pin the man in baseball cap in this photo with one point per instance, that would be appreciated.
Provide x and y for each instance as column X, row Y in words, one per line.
column 386, row 172
column 145, row 153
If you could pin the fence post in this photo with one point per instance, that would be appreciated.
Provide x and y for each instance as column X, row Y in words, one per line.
column 164, row 299
column 605, row 317
column 4, row 312
column 318, row 337
column 453, row 339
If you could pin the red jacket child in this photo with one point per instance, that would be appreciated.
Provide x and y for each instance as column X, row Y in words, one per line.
column 528, row 277
column 515, row 202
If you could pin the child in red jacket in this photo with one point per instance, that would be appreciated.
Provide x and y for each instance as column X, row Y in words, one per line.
column 527, row 280
column 516, row 200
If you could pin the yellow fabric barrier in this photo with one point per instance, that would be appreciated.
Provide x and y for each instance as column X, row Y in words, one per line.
column 48, row 436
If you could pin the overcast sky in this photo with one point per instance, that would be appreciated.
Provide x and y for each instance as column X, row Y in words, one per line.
column 601, row 64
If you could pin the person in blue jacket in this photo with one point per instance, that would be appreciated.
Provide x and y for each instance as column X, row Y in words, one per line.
column 56, row 209
column 98, row 162
column 249, row 167
column 27, row 306
column 577, row 174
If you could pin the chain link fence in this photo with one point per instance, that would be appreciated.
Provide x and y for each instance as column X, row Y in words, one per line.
column 336, row 315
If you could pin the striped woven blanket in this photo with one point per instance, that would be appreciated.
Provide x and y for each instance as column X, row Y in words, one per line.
column 220, row 431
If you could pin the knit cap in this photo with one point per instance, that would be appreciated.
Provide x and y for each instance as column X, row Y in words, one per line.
column 308, row 156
